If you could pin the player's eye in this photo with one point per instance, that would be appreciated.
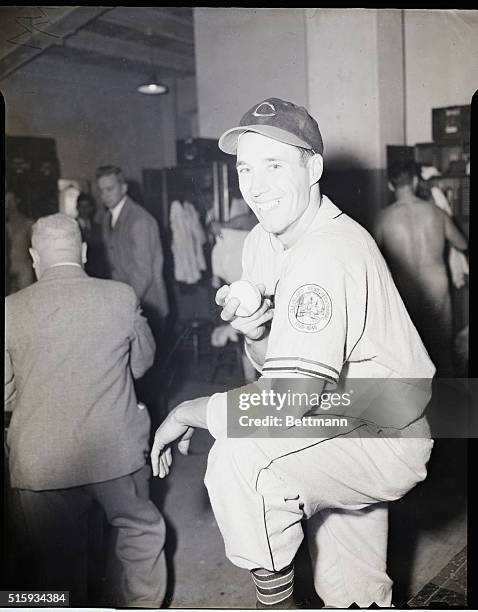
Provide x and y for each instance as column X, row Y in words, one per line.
column 275, row 166
column 242, row 170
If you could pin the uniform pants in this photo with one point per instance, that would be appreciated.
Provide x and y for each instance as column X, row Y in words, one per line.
column 57, row 527
column 262, row 489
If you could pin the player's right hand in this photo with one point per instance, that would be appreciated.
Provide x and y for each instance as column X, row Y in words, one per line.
column 254, row 326
column 169, row 431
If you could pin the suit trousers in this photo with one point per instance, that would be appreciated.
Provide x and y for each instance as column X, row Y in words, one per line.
column 56, row 521
column 262, row 489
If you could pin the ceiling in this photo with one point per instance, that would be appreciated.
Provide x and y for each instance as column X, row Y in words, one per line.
column 116, row 37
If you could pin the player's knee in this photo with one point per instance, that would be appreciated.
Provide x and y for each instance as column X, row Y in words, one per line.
column 228, row 457
column 410, row 468
column 418, row 452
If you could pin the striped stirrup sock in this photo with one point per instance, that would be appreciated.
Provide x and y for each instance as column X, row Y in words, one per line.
column 273, row 587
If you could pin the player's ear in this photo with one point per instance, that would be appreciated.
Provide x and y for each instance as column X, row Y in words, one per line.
column 390, row 186
column 316, row 168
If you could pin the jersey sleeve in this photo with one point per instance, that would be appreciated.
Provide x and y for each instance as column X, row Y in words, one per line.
column 216, row 415
column 319, row 315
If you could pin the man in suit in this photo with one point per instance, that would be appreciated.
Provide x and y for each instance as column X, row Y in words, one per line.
column 91, row 232
column 133, row 246
column 77, row 435
column 135, row 256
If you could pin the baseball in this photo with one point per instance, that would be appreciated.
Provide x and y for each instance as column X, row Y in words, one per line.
column 249, row 296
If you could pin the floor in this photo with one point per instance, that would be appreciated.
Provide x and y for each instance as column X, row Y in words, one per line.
column 448, row 587
column 428, row 529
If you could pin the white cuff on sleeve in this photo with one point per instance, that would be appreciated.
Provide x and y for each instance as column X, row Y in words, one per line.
column 216, row 415
column 254, row 363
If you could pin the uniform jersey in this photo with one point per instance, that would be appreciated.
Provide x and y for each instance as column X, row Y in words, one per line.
column 337, row 316
column 336, row 308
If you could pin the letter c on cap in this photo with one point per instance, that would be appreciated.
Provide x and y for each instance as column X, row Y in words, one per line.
column 256, row 113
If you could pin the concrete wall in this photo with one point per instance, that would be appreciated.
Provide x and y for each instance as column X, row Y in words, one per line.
column 327, row 59
column 187, row 108
column 441, row 58
column 355, row 74
column 343, row 83
column 244, row 56
column 94, row 114
column 390, row 80
column 345, row 65
column 370, row 77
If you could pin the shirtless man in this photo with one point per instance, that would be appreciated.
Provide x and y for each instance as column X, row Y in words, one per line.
column 412, row 234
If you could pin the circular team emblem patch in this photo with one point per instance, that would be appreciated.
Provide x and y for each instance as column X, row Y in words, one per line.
column 310, row 308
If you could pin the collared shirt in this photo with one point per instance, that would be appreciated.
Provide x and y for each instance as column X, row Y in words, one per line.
column 115, row 212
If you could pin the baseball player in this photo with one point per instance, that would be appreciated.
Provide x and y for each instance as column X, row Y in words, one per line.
column 330, row 312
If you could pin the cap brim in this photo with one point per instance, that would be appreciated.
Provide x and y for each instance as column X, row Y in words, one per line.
column 228, row 141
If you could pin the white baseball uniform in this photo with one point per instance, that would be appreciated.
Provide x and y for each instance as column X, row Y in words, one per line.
column 337, row 313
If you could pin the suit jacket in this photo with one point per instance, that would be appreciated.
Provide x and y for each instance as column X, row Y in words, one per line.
column 73, row 345
column 135, row 255
column 96, row 264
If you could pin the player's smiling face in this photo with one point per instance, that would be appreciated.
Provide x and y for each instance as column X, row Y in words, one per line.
column 273, row 181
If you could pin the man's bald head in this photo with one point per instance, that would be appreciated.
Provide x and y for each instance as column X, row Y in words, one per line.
column 56, row 239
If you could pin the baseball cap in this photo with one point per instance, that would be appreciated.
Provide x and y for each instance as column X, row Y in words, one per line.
column 277, row 119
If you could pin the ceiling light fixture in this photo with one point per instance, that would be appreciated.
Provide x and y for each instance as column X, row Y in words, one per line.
column 152, row 87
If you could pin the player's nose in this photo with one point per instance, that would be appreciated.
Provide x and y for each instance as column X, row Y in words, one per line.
column 258, row 185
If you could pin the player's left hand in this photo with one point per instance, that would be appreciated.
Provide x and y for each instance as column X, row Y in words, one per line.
column 161, row 453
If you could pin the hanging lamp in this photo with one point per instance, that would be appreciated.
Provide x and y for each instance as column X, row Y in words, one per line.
column 153, row 86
